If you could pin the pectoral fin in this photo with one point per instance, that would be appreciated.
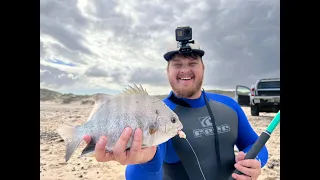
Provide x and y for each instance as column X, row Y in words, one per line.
column 89, row 149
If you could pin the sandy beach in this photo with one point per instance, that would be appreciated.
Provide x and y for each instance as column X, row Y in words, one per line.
column 52, row 149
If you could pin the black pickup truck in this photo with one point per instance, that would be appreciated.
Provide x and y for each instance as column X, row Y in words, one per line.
column 263, row 96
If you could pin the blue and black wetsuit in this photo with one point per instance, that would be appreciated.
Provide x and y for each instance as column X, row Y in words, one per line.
column 175, row 160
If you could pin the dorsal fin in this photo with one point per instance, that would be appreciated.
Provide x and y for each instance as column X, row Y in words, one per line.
column 134, row 90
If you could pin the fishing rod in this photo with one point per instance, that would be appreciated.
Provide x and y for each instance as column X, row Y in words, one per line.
column 262, row 140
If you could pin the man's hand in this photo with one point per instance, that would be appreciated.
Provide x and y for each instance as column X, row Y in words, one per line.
column 251, row 168
column 136, row 155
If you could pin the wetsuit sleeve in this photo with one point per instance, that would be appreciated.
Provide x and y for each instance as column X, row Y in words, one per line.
column 247, row 137
column 149, row 170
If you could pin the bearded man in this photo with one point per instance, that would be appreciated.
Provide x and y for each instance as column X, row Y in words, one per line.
column 213, row 124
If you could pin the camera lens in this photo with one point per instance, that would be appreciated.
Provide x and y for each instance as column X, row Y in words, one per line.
column 187, row 31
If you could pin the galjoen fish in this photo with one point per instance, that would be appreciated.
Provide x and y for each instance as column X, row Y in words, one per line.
column 111, row 114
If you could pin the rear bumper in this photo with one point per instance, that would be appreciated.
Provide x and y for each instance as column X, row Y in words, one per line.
column 265, row 100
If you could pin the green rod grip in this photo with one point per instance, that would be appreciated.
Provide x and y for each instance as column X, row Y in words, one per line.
column 274, row 123
column 262, row 140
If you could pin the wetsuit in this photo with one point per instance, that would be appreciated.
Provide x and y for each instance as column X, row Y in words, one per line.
column 175, row 160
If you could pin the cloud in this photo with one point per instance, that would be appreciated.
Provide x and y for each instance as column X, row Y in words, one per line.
column 151, row 76
column 96, row 71
column 114, row 43
column 56, row 78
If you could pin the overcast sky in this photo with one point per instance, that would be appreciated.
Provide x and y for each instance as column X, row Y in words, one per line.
column 103, row 45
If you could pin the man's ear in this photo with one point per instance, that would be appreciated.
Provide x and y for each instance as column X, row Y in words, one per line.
column 202, row 64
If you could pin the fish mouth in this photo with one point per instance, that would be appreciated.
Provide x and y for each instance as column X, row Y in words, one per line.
column 180, row 127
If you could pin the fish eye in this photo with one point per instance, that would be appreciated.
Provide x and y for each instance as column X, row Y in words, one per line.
column 173, row 120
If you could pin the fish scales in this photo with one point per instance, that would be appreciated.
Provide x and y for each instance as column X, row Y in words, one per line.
column 127, row 113
column 110, row 115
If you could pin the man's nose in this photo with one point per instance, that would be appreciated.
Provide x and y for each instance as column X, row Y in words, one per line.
column 184, row 69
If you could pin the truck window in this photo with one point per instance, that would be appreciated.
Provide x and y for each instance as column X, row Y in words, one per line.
column 269, row 85
column 243, row 91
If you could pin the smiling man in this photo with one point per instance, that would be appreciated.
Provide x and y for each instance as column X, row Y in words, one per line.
column 184, row 74
column 213, row 124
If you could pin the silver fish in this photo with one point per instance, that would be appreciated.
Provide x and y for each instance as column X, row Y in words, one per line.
column 110, row 115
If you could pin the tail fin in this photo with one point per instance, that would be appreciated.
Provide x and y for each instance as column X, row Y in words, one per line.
column 72, row 141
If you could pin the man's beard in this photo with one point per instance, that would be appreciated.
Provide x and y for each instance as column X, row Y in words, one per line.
column 187, row 92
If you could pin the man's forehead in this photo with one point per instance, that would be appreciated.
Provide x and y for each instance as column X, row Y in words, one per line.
column 181, row 58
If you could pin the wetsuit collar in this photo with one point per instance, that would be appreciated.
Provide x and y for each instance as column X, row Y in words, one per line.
column 194, row 103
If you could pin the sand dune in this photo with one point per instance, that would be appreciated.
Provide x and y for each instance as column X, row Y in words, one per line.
column 53, row 167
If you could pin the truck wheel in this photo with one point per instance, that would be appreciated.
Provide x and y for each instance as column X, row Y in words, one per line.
column 254, row 110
